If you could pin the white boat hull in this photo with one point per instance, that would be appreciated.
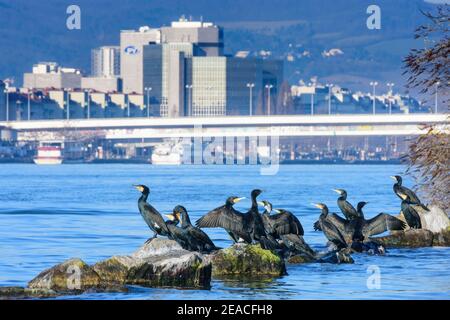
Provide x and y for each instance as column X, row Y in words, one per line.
column 171, row 159
column 48, row 161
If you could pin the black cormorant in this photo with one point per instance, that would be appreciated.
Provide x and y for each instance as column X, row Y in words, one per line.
column 151, row 216
column 283, row 222
column 347, row 209
column 228, row 218
column 359, row 229
column 409, row 212
column 179, row 234
column 382, row 222
column 247, row 226
column 285, row 226
column 256, row 227
column 192, row 237
column 331, row 231
column 399, row 189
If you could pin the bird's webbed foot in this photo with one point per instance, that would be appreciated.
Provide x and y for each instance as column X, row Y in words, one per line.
column 150, row 239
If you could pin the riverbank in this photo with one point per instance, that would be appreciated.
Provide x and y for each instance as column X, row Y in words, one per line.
column 146, row 161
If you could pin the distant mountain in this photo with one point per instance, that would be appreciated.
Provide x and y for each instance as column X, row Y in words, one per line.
column 301, row 32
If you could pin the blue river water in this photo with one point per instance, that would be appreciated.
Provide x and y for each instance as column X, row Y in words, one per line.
column 52, row 213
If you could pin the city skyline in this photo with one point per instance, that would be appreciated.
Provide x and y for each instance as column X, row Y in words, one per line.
column 248, row 35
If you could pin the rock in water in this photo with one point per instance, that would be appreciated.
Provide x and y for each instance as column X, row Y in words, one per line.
column 412, row 238
column 300, row 258
column 247, row 261
column 442, row 239
column 115, row 269
column 22, row 293
column 336, row 257
column 159, row 263
column 72, row 275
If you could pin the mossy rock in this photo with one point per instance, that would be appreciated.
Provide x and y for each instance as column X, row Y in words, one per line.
column 23, row 293
column 246, row 260
column 73, row 275
column 186, row 271
column 299, row 259
column 114, row 269
column 158, row 263
column 412, row 238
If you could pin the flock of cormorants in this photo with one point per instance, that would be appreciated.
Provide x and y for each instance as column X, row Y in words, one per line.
column 280, row 231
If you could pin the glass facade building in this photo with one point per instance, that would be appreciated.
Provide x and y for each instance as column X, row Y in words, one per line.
column 189, row 75
column 153, row 74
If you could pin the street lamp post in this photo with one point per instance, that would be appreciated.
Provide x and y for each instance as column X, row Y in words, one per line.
column 128, row 106
column 329, row 86
column 312, row 99
column 18, row 108
column 88, row 97
column 189, row 88
column 373, row 84
column 7, row 104
column 68, row 105
column 436, row 96
column 250, row 86
column 390, row 85
column 268, row 87
column 29, row 104
column 148, row 89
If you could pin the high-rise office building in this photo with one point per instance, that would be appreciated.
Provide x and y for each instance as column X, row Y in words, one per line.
column 105, row 61
column 132, row 44
column 182, row 71
column 217, row 86
column 191, row 37
column 207, row 37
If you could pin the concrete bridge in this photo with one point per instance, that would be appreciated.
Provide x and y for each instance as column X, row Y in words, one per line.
column 230, row 126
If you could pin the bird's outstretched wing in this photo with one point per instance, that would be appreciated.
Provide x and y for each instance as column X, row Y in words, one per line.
column 222, row 217
column 286, row 223
column 381, row 223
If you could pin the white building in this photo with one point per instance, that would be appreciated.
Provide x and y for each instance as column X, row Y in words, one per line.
column 47, row 75
column 105, row 61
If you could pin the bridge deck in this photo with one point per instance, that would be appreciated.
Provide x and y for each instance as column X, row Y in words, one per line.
column 264, row 121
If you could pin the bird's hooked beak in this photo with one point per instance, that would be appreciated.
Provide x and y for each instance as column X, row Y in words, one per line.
column 266, row 205
column 394, row 178
column 236, row 200
column 171, row 217
column 337, row 191
column 318, row 205
column 174, row 216
column 138, row 187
